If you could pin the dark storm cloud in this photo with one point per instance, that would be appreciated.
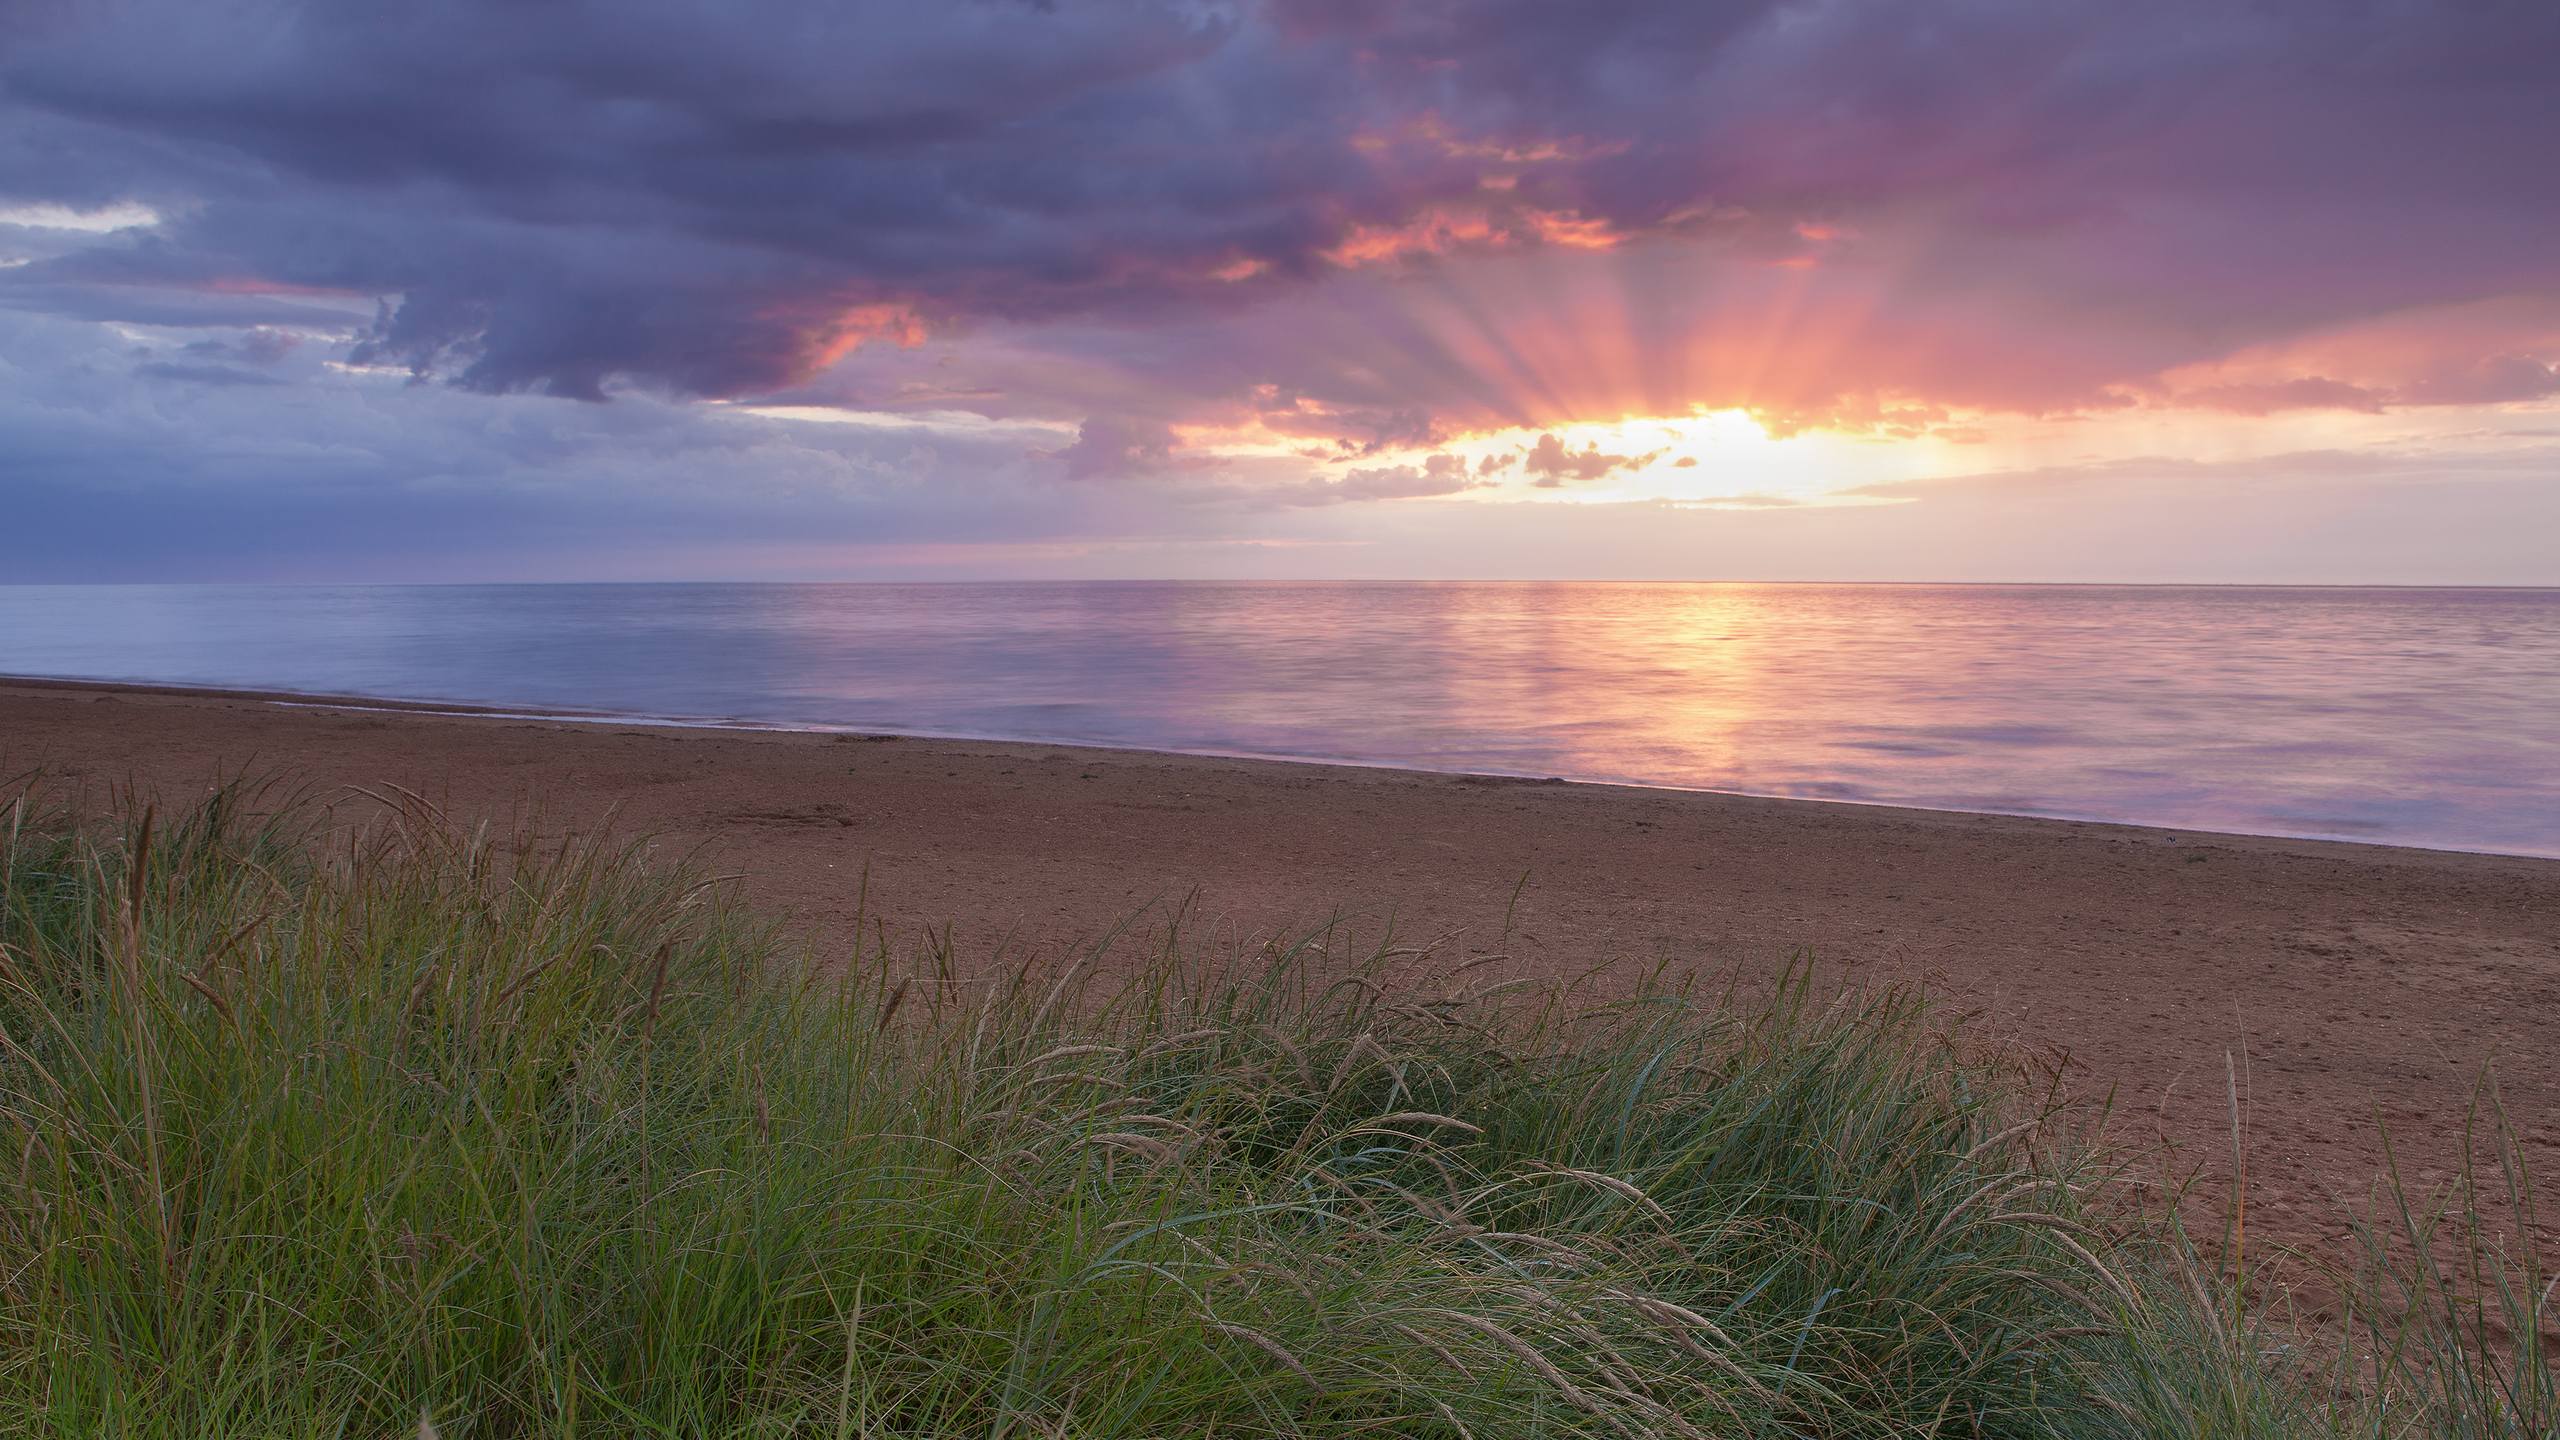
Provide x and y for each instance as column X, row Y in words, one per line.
column 689, row 196
column 720, row 200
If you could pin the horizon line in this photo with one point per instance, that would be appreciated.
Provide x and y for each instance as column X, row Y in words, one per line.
column 2550, row 585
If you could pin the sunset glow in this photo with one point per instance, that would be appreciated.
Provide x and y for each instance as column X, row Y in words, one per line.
column 1399, row 288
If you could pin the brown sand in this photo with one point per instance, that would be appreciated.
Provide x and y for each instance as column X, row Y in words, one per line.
column 2358, row 981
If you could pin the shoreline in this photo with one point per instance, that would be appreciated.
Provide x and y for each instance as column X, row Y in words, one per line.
column 2346, row 982
column 351, row 703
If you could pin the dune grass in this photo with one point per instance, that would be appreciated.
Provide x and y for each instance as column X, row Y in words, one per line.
column 414, row 1131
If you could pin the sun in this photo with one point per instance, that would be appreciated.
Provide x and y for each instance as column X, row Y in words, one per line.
column 1710, row 458
column 1726, row 458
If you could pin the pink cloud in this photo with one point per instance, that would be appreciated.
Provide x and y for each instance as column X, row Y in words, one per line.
column 1552, row 463
column 2310, row 392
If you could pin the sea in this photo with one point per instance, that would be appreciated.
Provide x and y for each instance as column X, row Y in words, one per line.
column 2427, row 717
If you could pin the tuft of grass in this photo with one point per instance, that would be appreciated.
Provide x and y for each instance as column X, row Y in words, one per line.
column 408, row 1130
column 2456, row 1317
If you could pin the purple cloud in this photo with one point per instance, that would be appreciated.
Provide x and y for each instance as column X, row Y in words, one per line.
column 1551, row 463
column 1116, row 446
column 2311, row 392
column 576, row 196
column 1436, row 475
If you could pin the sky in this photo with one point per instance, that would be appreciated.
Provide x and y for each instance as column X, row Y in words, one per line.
column 2184, row 290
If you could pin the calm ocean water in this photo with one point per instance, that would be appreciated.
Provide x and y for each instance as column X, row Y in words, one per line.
column 2426, row 717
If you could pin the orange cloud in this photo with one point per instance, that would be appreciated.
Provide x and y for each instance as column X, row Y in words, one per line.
column 1430, row 131
column 1450, row 229
column 851, row 328
column 1571, row 230
column 1433, row 232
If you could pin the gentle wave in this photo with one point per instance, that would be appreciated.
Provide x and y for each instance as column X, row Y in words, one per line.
column 2421, row 717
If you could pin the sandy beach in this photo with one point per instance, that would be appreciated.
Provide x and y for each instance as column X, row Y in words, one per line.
column 2353, row 983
